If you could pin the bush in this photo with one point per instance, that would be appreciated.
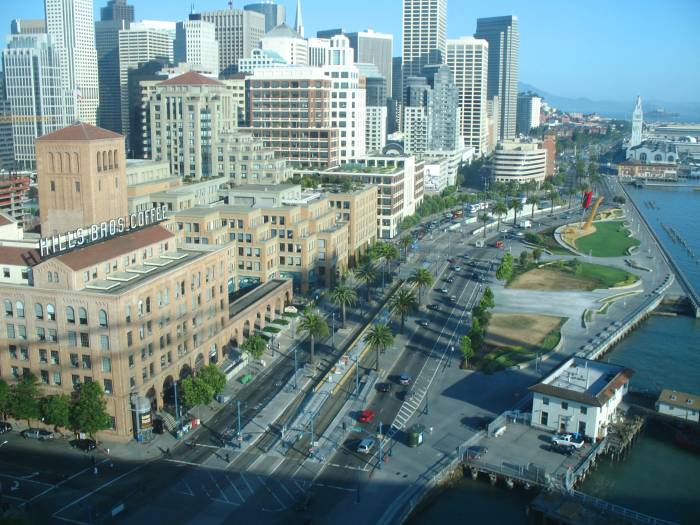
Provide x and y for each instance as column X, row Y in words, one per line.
column 272, row 329
column 534, row 238
column 282, row 322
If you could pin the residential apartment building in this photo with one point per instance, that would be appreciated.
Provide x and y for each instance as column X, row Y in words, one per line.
column 468, row 58
column 237, row 33
column 501, row 32
column 399, row 181
column 519, row 161
column 528, row 115
column 424, row 35
column 38, row 104
column 195, row 43
column 70, row 25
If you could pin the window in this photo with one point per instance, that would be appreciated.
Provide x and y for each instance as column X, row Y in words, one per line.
column 72, row 339
column 132, row 382
column 129, row 339
column 8, row 308
column 77, row 186
column 43, row 358
column 19, row 306
column 545, row 401
column 44, row 374
column 87, row 362
column 84, row 339
column 144, row 374
column 13, row 351
column 40, row 333
column 82, row 315
column 10, row 331
column 564, row 405
column 50, row 312
column 53, row 335
column 102, row 315
column 108, row 387
column 131, row 360
column 128, row 313
column 75, row 379
column 22, row 331
column 38, row 311
column 544, row 417
column 57, row 377
column 74, row 361
column 104, row 343
column 70, row 314
column 24, row 353
column 55, row 359
column 584, row 410
column 6, row 273
column 106, row 364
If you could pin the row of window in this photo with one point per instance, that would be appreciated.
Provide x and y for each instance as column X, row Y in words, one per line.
column 564, row 405
column 57, row 379
column 50, row 313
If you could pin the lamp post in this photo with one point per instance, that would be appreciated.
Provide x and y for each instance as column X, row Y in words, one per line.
column 296, row 367
column 238, row 424
column 357, row 376
column 177, row 408
column 333, row 329
column 381, row 448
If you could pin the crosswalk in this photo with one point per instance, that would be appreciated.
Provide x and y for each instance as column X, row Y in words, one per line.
column 236, row 488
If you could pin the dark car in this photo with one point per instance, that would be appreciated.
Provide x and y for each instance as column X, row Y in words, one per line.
column 477, row 452
column 435, row 307
column 424, row 323
column 561, row 449
column 405, row 379
column 5, row 427
column 86, row 445
column 36, row 433
column 385, row 388
column 450, row 279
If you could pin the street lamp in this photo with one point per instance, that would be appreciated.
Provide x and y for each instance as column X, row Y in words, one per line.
column 333, row 329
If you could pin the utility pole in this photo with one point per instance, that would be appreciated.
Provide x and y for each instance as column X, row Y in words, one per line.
column 332, row 329
column 238, row 424
column 177, row 408
column 357, row 376
column 295, row 366
column 381, row 455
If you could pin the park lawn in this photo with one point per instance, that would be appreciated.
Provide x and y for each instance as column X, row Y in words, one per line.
column 549, row 243
column 516, row 338
column 569, row 275
column 611, row 239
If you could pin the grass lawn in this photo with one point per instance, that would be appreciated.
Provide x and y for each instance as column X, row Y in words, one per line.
column 516, row 338
column 570, row 275
column 546, row 240
column 611, row 239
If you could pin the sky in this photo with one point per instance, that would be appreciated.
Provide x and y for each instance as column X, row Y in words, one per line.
column 598, row 49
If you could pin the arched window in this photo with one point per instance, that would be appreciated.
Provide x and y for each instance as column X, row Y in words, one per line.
column 55, row 277
column 658, row 157
column 50, row 312
column 99, row 161
column 59, row 162
column 110, row 158
column 70, row 314
column 104, row 161
column 66, row 163
column 643, row 157
column 148, row 305
column 8, row 308
column 50, row 277
column 102, row 316
column 38, row 311
column 670, row 158
column 139, row 308
column 82, row 315
column 116, row 159
column 19, row 306
column 52, row 165
column 76, row 163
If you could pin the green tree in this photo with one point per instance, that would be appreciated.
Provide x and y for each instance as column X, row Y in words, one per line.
column 484, row 217
column 516, row 205
column 24, row 403
column 580, row 169
column 386, row 254
column 254, row 346
column 505, row 268
column 476, row 334
column 465, row 348
column 532, row 200
column 500, row 210
column 537, row 254
column 5, row 399
column 366, row 274
column 379, row 338
column 89, row 409
column 571, row 192
column 554, row 197
column 314, row 326
column 523, row 258
column 214, row 377
column 404, row 243
column 195, row 392
column 55, row 410
column 402, row 303
column 488, row 298
column 343, row 296
column 422, row 278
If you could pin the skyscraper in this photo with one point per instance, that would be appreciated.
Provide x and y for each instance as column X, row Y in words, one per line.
column 28, row 26
column 529, row 106
column 70, row 25
column 237, row 32
column 374, row 48
column 117, row 15
column 468, row 59
column 424, row 34
column 376, row 109
column 32, row 71
column 274, row 13
column 195, row 43
column 298, row 21
column 501, row 32
column 637, row 124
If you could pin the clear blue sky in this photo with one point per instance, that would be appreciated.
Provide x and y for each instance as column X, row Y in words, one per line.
column 600, row 49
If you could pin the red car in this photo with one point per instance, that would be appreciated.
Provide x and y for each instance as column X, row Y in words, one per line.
column 366, row 416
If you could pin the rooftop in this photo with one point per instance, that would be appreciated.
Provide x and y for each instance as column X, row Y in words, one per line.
column 191, row 78
column 19, row 256
column 282, row 31
column 80, row 131
column 370, row 170
column 679, row 399
column 585, row 381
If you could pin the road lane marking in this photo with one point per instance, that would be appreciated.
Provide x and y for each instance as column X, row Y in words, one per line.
column 216, row 484
column 62, row 482
column 247, row 484
column 335, row 487
column 238, row 492
column 272, row 493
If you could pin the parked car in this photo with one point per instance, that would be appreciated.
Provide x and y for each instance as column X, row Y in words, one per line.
column 366, row 416
column 574, row 440
column 476, row 452
column 457, row 268
column 424, row 323
column 453, row 298
column 561, row 449
column 405, row 379
column 86, row 445
column 450, row 279
column 385, row 388
column 5, row 427
column 444, row 290
column 435, row 307
column 365, row 446
column 36, row 433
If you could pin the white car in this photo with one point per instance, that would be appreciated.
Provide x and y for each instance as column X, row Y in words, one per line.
column 444, row 290
column 568, row 440
column 365, row 446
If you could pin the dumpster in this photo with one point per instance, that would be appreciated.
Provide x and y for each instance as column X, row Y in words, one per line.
column 415, row 435
column 246, row 379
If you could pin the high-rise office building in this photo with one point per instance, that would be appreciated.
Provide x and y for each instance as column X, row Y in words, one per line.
column 298, row 21
column 195, row 43
column 274, row 13
column 318, row 51
column 237, row 32
column 529, row 106
column 70, row 24
column 115, row 16
column 374, row 48
column 376, row 108
column 637, row 124
column 117, row 10
column 138, row 45
column 33, row 84
column 424, row 34
column 503, row 37
column 519, row 161
column 395, row 106
column 467, row 58
column 28, row 26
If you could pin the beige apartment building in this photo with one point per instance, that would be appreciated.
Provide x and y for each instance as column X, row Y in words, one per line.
column 131, row 310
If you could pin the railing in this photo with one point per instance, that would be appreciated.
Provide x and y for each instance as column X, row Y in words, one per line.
column 617, row 509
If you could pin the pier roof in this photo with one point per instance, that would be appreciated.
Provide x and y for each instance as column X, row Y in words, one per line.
column 679, row 399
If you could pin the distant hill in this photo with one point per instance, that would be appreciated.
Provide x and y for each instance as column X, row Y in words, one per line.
column 687, row 112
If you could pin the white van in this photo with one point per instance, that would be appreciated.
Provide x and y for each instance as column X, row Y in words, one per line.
column 365, row 446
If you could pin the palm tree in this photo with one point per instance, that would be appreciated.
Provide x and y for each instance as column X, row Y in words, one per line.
column 366, row 274
column 421, row 278
column 516, row 205
column 499, row 210
column 313, row 325
column 379, row 338
column 404, row 243
column 402, row 303
column 484, row 217
column 571, row 192
column 343, row 296
column 532, row 201
column 389, row 253
column 553, row 196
